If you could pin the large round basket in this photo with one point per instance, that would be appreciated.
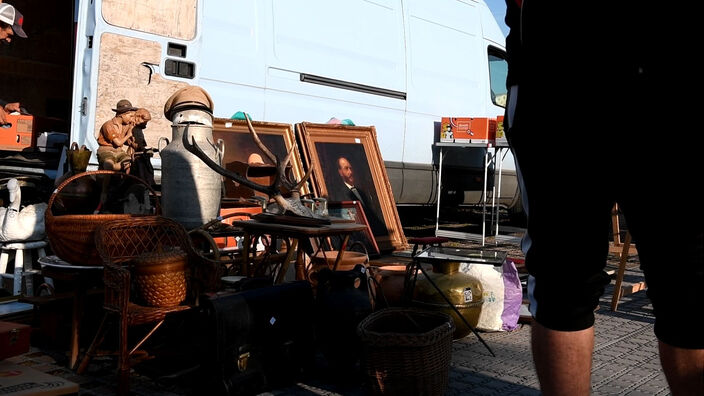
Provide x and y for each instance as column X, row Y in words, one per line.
column 406, row 351
column 162, row 277
column 71, row 236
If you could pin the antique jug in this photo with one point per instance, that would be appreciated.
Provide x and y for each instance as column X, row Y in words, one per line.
column 190, row 190
column 464, row 291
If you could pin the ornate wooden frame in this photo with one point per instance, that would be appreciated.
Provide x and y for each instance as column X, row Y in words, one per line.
column 361, row 143
column 239, row 145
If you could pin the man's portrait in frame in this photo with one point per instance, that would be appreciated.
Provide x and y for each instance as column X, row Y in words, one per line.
column 343, row 157
column 348, row 178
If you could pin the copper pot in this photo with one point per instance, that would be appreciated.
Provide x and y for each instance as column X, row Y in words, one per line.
column 390, row 280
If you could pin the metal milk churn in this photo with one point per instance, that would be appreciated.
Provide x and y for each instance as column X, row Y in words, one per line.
column 190, row 190
column 463, row 290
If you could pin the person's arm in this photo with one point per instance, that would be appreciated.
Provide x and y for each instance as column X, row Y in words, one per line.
column 14, row 106
column 7, row 108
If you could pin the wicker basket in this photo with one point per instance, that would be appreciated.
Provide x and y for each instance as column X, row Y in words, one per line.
column 162, row 278
column 72, row 236
column 406, row 351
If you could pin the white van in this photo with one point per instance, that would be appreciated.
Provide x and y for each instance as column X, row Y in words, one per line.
column 399, row 65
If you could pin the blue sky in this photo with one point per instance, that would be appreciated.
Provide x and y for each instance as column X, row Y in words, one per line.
column 498, row 8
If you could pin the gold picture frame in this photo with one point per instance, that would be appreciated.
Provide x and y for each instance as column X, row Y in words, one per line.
column 323, row 145
column 239, row 145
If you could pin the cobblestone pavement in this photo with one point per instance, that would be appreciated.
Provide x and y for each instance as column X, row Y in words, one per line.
column 625, row 359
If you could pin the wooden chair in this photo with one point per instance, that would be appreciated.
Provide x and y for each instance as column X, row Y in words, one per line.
column 617, row 246
column 119, row 243
column 623, row 250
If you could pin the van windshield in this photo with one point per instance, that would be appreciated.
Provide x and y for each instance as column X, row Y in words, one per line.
column 498, row 69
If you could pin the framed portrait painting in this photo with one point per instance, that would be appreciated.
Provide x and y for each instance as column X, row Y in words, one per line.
column 347, row 166
column 242, row 155
column 352, row 210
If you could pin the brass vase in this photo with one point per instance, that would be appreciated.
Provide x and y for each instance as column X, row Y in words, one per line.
column 464, row 291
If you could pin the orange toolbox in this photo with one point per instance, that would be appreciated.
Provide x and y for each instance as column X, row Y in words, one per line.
column 17, row 133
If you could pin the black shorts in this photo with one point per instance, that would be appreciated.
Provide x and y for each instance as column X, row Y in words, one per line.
column 577, row 156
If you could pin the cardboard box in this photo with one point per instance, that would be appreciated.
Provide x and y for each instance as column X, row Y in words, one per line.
column 469, row 129
column 16, row 380
column 22, row 133
column 14, row 339
column 16, row 135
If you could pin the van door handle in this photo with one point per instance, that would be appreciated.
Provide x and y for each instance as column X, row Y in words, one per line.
column 153, row 69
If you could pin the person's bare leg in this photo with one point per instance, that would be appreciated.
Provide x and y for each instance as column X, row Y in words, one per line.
column 563, row 360
column 684, row 369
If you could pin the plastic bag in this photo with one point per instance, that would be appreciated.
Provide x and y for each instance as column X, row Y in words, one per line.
column 513, row 296
column 502, row 295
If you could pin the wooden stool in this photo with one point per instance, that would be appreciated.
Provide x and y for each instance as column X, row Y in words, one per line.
column 21, row 249
column 425, row 241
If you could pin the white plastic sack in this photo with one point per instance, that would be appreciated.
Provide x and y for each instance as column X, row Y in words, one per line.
column 501, row 288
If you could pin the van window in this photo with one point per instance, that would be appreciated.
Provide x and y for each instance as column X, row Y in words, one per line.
column 498, row 69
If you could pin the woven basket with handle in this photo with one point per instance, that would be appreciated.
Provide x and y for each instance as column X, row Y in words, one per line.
column 71, row 236
column 406, row 351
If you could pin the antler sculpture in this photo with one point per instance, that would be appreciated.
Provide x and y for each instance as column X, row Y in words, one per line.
column 291, row 205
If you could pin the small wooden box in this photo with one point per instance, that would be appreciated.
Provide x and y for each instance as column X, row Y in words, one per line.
column 14, row 339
